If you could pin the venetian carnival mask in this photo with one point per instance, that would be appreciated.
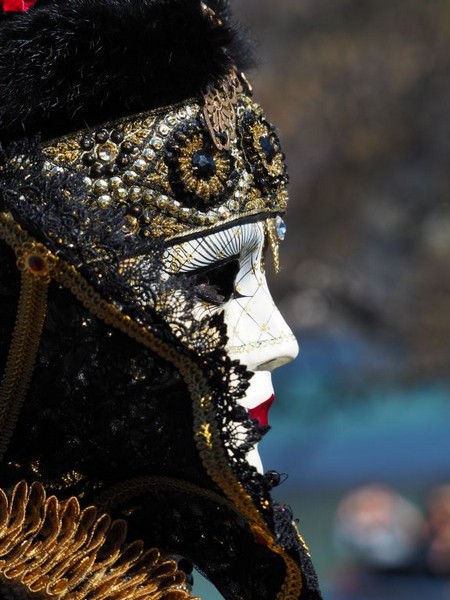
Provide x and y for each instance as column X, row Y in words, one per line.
column 229, row 268
column 139, row 334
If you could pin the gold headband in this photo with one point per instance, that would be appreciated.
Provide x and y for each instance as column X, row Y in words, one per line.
column 177, row 171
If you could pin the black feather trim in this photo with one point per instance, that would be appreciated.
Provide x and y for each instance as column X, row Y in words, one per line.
column 68, row 64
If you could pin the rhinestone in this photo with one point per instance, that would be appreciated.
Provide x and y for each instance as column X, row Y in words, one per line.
column 174, row 207
column 140, row 165
column 162, row 201
column 102, row 136
column 87, row 181
column 117, row 136
column 182, row 113
column 101, row 186
column 56, row 171
column 203, row 164
column 223, row 212
column 156, row 142
column 130, row 176
column 148, row 196
column 163, row 129
column 135, row 193
column 233, row 205
column 108, row 152
column 121, row 194
column 281, row 228
column 189, row 111
column 115, row 183
column 104, row 201
column 148, row 154
column 186, row 212
column 89, row 159
column 127, row 147
column 87, row 143
column 171, row 120
column 36, row 264
column 47, row 166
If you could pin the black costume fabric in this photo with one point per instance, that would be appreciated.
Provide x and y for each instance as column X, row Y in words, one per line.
column 110, row 416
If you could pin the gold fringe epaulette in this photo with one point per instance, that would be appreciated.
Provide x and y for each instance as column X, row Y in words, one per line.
column 52, row 549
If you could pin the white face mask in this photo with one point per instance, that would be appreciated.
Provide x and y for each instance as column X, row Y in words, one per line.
column 231, row 279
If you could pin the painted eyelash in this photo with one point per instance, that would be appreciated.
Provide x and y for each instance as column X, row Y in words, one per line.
column 221, row 245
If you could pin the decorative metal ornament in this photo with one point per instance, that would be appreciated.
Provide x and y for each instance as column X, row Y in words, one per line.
column 219, row 110
column 176, row 172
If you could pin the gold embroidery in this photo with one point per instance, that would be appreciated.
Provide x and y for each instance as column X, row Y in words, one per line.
column 126, row 163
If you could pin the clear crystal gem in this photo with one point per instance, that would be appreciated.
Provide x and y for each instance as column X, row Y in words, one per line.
column 148, row 154
column 115, row 183
column 156, row 142
column 104, row 201
column 101, row 186
column 140, row 165
column 108, row 152
column 281, row 228
column 164, row 129
column 130, row 176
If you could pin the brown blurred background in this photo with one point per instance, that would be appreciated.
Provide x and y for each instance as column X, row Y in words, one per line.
column 360, row 92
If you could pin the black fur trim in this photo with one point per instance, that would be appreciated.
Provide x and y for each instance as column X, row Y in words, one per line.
column 68, row 64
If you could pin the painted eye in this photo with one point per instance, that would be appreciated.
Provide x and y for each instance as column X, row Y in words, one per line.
column 216, row 285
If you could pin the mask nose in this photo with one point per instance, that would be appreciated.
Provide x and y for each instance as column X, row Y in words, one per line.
column 259, row 337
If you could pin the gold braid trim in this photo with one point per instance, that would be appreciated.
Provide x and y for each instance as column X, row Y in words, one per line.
column 35, row 262
column 206, row 432
column 57, row 551
column 270, row 225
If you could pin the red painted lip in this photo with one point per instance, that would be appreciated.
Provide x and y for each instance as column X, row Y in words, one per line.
column 261, row 412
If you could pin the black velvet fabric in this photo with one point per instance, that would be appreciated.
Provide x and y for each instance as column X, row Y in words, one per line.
column 66, row 64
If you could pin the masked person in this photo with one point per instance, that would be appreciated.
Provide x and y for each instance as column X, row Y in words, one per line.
column 141, row 188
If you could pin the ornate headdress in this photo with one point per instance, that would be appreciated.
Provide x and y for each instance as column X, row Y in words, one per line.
column 111, row 396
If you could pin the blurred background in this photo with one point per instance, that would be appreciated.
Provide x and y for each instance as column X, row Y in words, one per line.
column 360, row 92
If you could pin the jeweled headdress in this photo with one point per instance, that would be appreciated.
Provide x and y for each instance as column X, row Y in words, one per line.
column 126, row 127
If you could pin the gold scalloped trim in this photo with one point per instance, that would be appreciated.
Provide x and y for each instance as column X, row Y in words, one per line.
column 56, row 550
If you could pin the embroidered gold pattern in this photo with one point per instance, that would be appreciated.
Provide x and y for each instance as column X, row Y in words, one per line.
column 171, row 188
